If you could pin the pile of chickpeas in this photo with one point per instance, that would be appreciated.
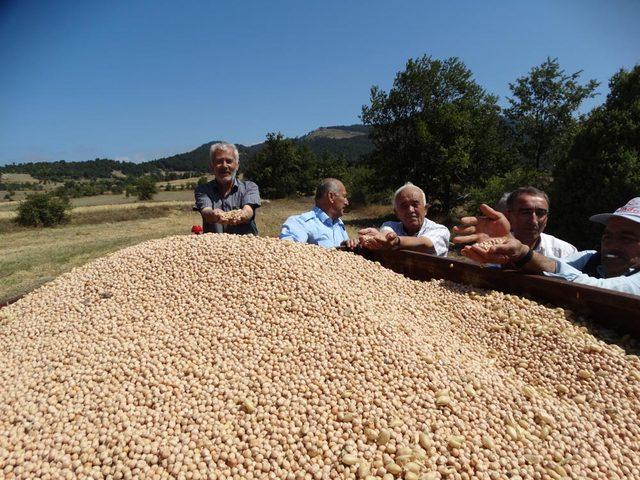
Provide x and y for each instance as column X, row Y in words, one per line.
column 238, row 357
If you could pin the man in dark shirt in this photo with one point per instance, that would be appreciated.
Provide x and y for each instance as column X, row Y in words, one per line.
column 226, row 193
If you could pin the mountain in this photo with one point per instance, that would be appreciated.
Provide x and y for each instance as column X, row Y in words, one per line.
column 349, row 141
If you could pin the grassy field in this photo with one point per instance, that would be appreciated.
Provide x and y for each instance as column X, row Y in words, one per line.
column 30, row 257
column 18, row 178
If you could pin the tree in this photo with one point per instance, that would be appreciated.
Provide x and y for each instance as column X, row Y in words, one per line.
column 283, row 168
column 202, row 180
column 496, row 186
column 43, row 209
column 542, row 112
column 145, row 187
column 436, row 128
column 602, row 171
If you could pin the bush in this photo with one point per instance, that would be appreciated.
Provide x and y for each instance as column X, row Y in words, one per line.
column 145, row 188
column 43, row 210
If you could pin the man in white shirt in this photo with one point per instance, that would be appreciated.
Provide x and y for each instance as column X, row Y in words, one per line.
column 414, row 231
column 528, row 212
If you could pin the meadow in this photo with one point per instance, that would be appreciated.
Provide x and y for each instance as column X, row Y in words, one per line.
column 30, row 257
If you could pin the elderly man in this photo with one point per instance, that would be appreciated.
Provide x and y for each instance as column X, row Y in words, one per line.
column 616, row 266
column 226, row 193
column 414, row 231
column 528, row 212
column 322, row 225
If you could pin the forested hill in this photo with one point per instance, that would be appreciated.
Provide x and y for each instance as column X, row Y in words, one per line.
column 350, row 142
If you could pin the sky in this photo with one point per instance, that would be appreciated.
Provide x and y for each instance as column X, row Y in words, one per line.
column 139, row 80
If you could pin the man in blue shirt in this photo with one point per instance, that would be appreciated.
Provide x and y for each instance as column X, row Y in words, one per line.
column 615, row 267
column 322, row 225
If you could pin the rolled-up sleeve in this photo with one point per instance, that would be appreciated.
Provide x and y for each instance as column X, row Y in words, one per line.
column 440, row 239
column 293, row 230
column 203, row 200
column 251, row 195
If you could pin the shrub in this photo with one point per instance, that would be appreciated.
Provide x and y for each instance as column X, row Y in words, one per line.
column 145, row 188
column 43, row 210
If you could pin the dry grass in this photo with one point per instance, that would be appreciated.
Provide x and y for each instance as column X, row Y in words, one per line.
column 30, row 257
column 19, row 178
column 182, row 181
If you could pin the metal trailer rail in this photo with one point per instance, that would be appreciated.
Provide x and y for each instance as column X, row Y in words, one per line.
column 608, row 308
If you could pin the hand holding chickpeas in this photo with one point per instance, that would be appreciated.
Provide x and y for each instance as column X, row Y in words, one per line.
column 373, row 239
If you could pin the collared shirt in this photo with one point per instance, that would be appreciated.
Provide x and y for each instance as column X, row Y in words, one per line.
column 550, row 246
column 242, row 193
column 315, row 227
column 438, row 234
column 571, row 269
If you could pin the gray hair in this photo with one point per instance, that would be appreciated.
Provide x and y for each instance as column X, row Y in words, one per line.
column 533, row 191
column 327, row 185
column 407, row 185
column 224, row 146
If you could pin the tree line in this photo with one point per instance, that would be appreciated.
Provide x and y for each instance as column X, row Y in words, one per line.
column 438, row 128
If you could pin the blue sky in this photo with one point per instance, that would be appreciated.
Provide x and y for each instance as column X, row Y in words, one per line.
column 139, row 80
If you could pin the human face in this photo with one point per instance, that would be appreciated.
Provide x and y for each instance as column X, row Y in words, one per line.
column 224, row 165
column 339, row 201
column 620, row 246
column 410, row 209
column 528, row 218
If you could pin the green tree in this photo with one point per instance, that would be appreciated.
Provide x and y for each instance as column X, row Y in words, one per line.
column 437, row 128
column 542, row 112
column 496, row 186
column 43, row 209
column 202, row 180
column 283, row 168
column 145, row 187
column 602, row 171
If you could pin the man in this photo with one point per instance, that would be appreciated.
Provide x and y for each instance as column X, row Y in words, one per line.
column 616, row 266
column 225, row 193
column 322, row 225
column 528, row 212
column 414, row 231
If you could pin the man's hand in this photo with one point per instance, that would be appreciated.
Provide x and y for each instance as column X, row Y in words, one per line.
column 373, row 239
column 510, row 250
column 211, row 215
column 478, row 229
column 350, row 243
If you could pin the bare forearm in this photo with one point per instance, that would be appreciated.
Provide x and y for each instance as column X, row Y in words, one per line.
column 417, row 244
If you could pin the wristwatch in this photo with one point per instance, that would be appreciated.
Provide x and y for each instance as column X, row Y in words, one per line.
column 524, row 260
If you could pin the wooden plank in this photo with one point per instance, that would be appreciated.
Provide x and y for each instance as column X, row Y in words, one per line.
column 609, row 308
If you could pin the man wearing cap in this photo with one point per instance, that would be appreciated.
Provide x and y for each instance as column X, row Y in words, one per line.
column 615, row 267
column 414, row 231
column 322, row 225
column 226, row 193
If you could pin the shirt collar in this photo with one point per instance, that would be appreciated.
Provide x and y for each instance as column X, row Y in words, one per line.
column 233, row 189
column 420, row 230
column 324, row 218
